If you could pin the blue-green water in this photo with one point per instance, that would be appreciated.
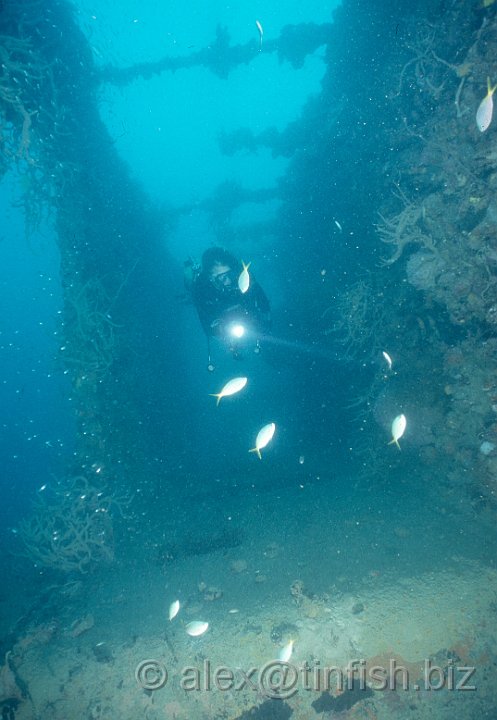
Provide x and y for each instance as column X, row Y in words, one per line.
column 337, row 153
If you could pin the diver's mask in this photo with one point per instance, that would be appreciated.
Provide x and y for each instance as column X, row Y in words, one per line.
column 224, row 280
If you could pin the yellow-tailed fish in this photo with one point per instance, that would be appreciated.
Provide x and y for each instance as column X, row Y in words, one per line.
column 486, row 108
column 244, row 279
column 231, row 387
column 174, row 609
column 261, row 33
column 398, row 428
column 264, row 436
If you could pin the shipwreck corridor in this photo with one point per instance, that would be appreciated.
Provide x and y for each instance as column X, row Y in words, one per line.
column 137, row 525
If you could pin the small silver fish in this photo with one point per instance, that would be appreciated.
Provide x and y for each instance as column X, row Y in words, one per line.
column 264, row 436
column 261, row 33
column 285, row 653
column 196, row 628
column 388, row 359
column 398, row 428
column 232, row 386
column 244, row 279
column 174, row 609
column 486, row 108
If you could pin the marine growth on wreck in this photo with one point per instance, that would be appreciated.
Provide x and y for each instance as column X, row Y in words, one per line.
column 330, row 523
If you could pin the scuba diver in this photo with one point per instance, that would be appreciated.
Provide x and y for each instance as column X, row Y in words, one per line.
column 230, row 303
